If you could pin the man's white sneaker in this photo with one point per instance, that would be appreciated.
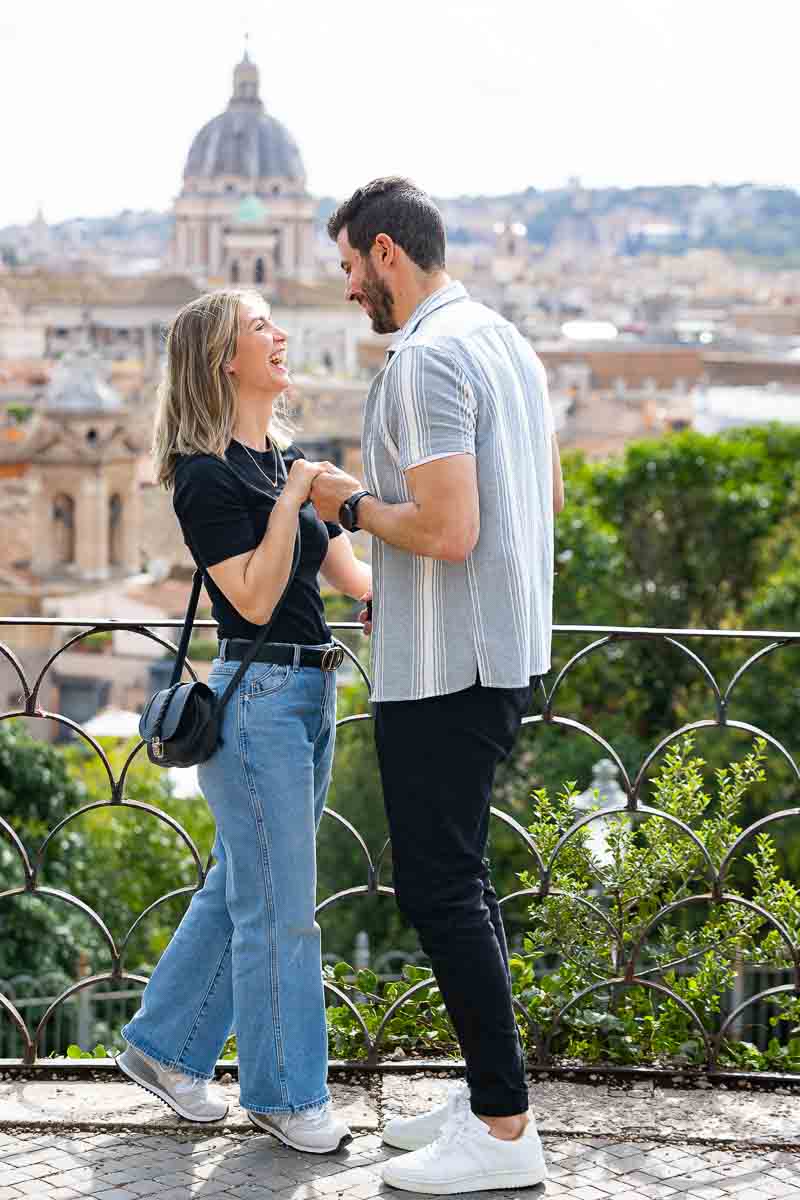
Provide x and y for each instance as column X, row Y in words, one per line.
column 412, row 1133
column 466, row 1158
column 186, row 1095
column 314, row 1130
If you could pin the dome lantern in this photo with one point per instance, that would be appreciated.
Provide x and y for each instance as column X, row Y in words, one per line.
column 246, row 82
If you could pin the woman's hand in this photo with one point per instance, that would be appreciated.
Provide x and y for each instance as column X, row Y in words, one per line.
column 300, row 479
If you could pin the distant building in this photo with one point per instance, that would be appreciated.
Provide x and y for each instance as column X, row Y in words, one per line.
column 719, row 408
column 243, row 215
column 44, row 314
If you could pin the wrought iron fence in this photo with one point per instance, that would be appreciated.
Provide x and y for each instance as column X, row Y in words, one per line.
column 34, row 1032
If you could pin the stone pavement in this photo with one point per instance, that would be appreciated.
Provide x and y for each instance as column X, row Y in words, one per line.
column 62, row 1140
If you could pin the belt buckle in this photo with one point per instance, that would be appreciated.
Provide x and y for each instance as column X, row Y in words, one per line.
column 332, row 658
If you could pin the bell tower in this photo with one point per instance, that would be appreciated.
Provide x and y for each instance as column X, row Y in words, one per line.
column 83, row 467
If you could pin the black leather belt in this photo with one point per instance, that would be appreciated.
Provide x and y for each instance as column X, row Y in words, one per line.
column 327, row 659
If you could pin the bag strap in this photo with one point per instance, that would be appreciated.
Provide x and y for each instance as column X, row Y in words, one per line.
column 183, row 646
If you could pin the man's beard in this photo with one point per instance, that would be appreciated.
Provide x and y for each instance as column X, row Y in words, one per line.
column 381, row 302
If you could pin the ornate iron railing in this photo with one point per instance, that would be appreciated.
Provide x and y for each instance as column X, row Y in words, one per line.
column 629, row 973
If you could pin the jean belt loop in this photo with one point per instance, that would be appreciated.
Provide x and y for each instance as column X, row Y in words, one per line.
column 296, row 661
column 223, row 646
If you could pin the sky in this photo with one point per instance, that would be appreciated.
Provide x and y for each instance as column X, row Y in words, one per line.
column 99, row 102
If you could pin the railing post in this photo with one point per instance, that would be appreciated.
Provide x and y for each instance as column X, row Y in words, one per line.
column 739, row 992
column 361, row 952
column 85, row 1006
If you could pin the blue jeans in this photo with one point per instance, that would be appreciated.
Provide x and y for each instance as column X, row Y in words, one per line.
column 246, row 956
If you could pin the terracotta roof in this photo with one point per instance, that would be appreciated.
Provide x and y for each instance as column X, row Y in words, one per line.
column 27, row 290
column 324, row 294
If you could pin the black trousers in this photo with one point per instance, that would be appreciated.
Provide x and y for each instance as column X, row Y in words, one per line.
column 438, row 759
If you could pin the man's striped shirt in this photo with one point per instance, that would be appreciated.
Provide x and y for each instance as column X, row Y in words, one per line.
column 459, row 379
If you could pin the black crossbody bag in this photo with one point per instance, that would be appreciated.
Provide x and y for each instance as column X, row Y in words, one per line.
column 181, row 723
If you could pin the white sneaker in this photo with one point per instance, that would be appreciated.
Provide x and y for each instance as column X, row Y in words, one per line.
column 314, row 1130
column 412, row 1133
column 186, row 1095
column 466, row 1158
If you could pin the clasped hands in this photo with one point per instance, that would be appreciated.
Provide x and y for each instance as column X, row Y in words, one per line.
column 329, row 490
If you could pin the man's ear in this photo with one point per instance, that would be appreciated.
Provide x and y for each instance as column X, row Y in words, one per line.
column 384, row 249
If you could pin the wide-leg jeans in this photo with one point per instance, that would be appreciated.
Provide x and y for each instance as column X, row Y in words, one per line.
column 246, row 956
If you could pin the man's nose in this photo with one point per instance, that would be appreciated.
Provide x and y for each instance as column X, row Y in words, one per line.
column 350, row 290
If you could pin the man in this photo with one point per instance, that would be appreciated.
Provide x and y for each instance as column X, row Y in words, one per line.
column 462, row 478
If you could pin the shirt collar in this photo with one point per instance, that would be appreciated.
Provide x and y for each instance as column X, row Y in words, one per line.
column 445, row 295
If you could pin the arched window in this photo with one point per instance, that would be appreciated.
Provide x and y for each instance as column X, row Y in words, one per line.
column 258, row 274
column 63, row 530
column 234, row 271
column 115, row 530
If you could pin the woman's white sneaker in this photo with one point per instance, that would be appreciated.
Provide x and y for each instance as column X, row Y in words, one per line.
column 412, row 1133
column 467, row 1158
column 186, row 1095
column 314, row 1130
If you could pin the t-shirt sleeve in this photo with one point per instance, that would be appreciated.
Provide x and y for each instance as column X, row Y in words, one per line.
column 430, row 406
column 212, row 511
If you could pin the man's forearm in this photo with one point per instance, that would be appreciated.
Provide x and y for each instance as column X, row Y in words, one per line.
column 404, row 526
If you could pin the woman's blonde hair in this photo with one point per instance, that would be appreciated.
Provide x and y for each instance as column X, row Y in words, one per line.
column 197, row 396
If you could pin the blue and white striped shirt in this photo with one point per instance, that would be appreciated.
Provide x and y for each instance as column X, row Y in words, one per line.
column 459, row 379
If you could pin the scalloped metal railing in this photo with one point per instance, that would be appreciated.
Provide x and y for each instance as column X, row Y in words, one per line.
column 632, row 972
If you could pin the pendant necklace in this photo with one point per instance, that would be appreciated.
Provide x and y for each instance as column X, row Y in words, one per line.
column 272, row 482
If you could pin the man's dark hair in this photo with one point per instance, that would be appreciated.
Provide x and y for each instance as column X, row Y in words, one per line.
column 396, row 207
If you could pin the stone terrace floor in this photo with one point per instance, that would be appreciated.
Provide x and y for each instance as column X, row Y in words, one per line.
column 61, row 1140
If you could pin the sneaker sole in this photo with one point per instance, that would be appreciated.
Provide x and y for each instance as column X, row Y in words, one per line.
column 167, row 1099
column 494, row 1181
column 287, row 1141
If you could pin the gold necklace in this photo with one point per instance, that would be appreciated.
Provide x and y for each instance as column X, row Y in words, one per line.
column 272, row 482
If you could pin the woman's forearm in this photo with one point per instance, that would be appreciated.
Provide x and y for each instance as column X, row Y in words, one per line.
column 267, row 571
column 343, row 571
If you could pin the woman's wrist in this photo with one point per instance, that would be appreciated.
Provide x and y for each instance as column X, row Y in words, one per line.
column 289, row 501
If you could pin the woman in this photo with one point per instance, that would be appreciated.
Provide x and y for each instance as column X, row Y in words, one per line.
column 246, row 955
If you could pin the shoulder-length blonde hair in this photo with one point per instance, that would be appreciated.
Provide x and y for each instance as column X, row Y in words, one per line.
column 197, row 396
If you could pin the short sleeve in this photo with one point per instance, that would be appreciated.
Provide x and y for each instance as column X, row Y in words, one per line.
column 430, row 406
column 212, row 510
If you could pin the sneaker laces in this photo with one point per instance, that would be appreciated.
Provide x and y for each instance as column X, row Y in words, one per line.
column 454, row 1127
column 312, row 1117
column 190, row 1083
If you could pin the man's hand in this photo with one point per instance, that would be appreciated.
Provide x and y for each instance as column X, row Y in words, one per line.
column 365, row 616
column 330, row 490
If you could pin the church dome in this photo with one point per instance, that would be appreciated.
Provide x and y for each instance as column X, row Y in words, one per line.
column 79, row 384
column 245, row 140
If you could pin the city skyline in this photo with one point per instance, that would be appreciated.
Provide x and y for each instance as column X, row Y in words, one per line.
column 462, row 98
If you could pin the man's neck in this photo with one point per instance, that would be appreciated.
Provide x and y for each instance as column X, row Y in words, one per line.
column 408, row 300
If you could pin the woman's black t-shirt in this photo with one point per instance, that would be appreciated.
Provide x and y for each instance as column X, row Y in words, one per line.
column 223, row 509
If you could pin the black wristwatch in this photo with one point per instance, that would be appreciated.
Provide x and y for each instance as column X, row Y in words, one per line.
column 347, row 512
